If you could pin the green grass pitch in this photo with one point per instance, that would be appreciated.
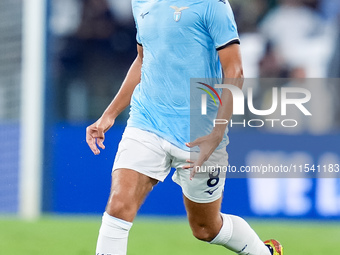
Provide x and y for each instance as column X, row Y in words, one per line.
column 77, row 236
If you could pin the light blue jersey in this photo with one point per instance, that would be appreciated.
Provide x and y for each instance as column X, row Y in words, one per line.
column 180, row 40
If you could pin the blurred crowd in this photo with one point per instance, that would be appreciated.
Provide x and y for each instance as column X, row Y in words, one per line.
column 93, row 44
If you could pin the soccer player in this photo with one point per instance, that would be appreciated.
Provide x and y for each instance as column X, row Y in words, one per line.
column 177, row 40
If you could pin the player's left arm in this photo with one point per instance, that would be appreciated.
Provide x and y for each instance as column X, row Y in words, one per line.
column 230, row 58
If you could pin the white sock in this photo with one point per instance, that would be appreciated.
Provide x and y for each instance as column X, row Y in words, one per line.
column 238, row 236
column 113, row 236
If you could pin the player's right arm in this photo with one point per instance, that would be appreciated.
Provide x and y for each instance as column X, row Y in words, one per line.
column 95, row 133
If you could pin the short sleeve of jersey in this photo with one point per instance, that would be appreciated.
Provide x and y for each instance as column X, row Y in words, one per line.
column 221, row 24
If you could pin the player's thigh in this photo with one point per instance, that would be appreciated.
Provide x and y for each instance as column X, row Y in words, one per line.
column 129, row 188
column 139, row 164
column 207, row 185
column 203, row 194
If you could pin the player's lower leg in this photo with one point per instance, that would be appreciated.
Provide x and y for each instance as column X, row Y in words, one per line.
column 238, row 236
column 113, row 236
column 128, row 191
column 232, row 232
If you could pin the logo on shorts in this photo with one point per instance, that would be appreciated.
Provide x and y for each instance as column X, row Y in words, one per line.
column 210, row 192
column 178, row 12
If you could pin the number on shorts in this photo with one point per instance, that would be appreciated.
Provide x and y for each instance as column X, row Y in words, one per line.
column 214, row 177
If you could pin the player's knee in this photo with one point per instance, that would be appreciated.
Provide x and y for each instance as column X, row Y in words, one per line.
column 120, row 208
column 203, row 233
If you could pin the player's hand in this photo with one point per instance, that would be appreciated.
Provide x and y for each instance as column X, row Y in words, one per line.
column 95, row 133
column 207, row 145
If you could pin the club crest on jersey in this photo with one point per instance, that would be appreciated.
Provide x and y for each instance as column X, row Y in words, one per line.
column 178, row 12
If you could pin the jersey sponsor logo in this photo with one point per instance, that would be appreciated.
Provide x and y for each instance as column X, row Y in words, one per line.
column 178, row 12
column 222, row 1
column 211, row 191
column 144, row 14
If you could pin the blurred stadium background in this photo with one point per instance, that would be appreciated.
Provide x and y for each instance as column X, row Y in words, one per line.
column 61, row 63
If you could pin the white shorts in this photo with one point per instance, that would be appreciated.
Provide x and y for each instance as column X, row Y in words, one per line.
column 153, row 156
